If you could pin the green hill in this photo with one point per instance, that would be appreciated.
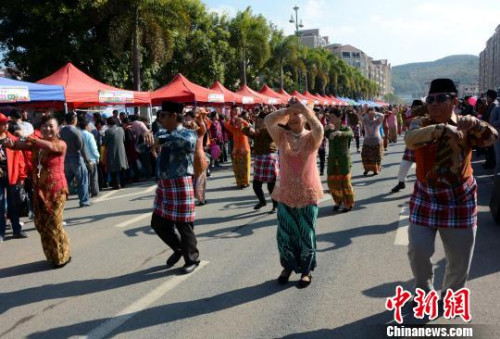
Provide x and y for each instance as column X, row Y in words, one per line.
column 409, row 80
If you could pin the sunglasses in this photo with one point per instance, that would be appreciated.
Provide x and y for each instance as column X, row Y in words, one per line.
column 439, row 98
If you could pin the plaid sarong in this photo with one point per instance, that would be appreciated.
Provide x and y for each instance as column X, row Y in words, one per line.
column 445, row 207
column 175, row 199
column 265, row 167
column 409, row 155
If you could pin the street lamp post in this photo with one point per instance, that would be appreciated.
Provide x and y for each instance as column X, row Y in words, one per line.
column 297, row 26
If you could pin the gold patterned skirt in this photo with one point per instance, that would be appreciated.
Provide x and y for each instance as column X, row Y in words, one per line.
column 49, row 223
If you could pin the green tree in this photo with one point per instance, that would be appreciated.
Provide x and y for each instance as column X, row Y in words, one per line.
column 250, row 37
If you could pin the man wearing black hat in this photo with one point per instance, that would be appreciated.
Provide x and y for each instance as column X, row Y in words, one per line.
column 408, row 157
column 445, row 193
column 491, row 96
column 174, row 204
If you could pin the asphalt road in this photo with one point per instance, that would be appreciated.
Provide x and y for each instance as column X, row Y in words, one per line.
column 117, row 284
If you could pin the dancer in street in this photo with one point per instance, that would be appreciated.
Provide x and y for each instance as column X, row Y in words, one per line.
column 241, row 151
column 265, row 161
column 373, row 147
column 445, row 195
column 174, row 202
column 50, row 189
column 299, row 188
column 339, row 162
column 409, row 155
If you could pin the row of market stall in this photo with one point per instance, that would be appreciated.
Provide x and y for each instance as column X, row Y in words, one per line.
column 70, row 88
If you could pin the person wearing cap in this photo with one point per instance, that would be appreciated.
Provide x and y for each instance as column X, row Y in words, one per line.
column 12, row 173
column 408, row 156
column 445, row 195
column 265, row 165
column 174, row 205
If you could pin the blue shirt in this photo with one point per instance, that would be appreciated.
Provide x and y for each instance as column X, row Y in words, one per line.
column 91, row 146
column 177, row 153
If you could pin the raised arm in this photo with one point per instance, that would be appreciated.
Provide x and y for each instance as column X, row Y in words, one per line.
column 273, row 119
column 316, row 126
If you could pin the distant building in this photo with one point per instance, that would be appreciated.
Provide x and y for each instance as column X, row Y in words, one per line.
column 312, row 39
column 377, row 70
column 468, row 89
column 489, row 64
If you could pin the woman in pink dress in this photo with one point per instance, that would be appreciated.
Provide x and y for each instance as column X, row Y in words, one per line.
column 298, row 188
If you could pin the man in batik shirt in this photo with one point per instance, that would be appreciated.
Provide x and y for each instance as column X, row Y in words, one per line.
column 174, row 204
column 445, row 195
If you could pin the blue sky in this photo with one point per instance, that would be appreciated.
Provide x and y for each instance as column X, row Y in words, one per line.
column 401, row 31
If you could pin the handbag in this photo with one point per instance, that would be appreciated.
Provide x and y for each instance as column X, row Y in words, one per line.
column 22, row 201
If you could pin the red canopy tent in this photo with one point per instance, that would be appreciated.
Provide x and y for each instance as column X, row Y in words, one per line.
column 323, row 100
column 83, row 91
column 312, row 98
column 258, row 98
column 285, row 94
column 229, row 97
column 180, row 89
column 266, row 90
column 302, row 98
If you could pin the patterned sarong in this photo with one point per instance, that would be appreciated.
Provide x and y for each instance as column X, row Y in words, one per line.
column 409, row 155
column 372, row 157
column 445, row 207
column 49, row 223
column 175, row 199
column 241, row 167
column 296, row 237
column 265, row 167
column 341, row 189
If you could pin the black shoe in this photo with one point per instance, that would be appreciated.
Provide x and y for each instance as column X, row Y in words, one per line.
column 86, row 205
column 284, row 277
column 365, row 173
column 259, row 206
column 321, row 173
column 336, row 208
column 174, row 259
column 398, row 187
column 273, row 210
column 20, row 235
column 201, row 203
column 62, row 265
column 345, row 210
column 305, row 283
column 375, row 173
column 189, row 268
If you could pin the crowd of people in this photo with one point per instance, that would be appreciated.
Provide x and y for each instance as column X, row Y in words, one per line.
column 290, row 147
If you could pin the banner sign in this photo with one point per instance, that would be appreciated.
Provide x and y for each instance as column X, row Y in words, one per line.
column 116, row 97
column 14, row 93
column 216, row 97
column 247, row 100
column 273, row 101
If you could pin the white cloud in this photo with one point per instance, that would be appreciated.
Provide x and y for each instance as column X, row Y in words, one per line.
column 224, row 9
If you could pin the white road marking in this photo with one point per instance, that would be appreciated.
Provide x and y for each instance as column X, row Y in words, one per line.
column 104, row 196
column 402, row 232
column 133, row 220
column 119, row 319
column 145, row 192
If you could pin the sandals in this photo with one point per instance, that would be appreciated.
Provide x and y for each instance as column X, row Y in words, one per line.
column 304, row 283
column 284, row 277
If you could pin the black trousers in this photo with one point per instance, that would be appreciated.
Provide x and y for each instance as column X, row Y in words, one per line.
column 186, row 244
column 322, row 159
column 489, row 153
column 115, row 176
column 259, row 192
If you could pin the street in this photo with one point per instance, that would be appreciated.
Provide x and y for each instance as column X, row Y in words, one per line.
column 117, row 284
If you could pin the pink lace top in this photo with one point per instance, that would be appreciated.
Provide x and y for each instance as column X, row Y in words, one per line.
column 299, row 183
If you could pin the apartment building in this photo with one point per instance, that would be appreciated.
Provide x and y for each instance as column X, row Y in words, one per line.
column 489, row 64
